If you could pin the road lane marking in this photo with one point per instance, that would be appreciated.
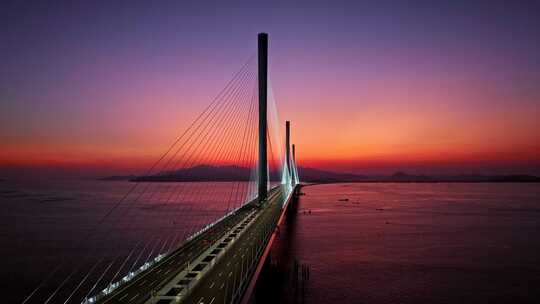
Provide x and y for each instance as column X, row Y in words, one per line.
column 212, row 284
column 212, row 300
column 122, row 297
column 134, row 297
column 221, row 287
column 171, row 262
column 200, row 300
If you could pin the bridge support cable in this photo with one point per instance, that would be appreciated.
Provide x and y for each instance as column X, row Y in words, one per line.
column 227, row 133
column 157, row 242
column 228, row 208
column 237, row 188
column 224, row 139
column 275, row 134
column 183, row 163
column 150, row 199
column 120, row 203
column 251, row 185
column 213, row 126
column 82, row 281
column 249, row 194
column 206, row 192
column 134, row 263
column 295, row 168
column 272, row 165
column 251, row 153
column 241, row 160
column 286, row 163
column 225, row 158
column 288, row 147
column 209, row 137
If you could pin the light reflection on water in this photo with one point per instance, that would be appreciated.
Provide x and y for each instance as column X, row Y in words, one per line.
column 389, row 243
column 417, row 243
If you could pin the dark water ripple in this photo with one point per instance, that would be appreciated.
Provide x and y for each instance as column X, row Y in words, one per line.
column 415, row 243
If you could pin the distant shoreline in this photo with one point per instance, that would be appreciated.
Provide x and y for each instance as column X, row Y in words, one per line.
column 314, row 182
column 421, row 182
column 208, row 173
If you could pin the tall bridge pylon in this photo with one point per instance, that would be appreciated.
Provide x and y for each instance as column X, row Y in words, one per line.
column 196, row 226
column 263, row 95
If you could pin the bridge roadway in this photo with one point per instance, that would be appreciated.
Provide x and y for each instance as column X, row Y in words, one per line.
column 139, row 289
column 231, row 272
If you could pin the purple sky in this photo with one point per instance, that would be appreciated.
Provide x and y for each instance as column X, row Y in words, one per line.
column 422, row 86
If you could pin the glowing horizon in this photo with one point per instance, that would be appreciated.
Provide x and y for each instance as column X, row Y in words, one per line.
column 368, row 89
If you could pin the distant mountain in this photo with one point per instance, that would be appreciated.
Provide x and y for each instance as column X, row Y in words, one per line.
column 201, row 173
column 237, row 173
column 404, row 177
column 315, row 175
column 311, row 175
column 513, row 178
column 320, row 176
column 117, row 178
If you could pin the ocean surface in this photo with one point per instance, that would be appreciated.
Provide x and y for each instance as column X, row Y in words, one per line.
column 414, row 243
column 362, row 243
column 54, row 228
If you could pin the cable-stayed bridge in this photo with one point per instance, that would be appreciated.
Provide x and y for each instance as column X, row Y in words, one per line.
column 214, row 197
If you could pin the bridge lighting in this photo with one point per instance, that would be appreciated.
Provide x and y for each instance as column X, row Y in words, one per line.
column 289, row 179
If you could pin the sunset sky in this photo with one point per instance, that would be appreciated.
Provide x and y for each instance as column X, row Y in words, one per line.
column 93, row 88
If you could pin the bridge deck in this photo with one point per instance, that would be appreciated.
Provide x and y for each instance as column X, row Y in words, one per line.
column 213, row 284
column 140, row 288
column 233, row 272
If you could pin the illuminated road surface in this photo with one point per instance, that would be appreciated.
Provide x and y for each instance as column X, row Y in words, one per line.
column 218, row 284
